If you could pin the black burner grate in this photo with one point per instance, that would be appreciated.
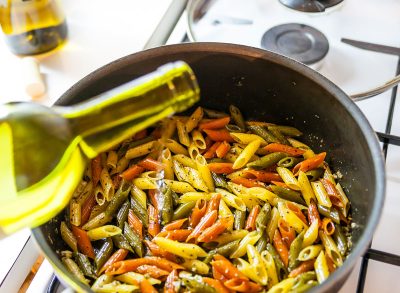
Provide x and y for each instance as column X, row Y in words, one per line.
column 387, row 140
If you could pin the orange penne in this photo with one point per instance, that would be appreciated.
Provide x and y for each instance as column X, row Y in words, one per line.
column 328, row 226
column 84, row 244
column 277, row 147
column 135, row 223
column 140, row 135
column 119, row 255
column 116, row 180
column 153, row 198
column 213, row 204
column 251, row 219
column 332, row 192
column 305, row 266
column 222, row 149
column 215, row 123
column 219, row 135
column 175, row 225
column 130, row 265
column 210, row 153
column 154, row 221
column 247, row 182
column 226, row 268
column 313, row 214
column 281, row 247
column 217, row 275
column 178, row 235
column 169, row 286
column 198, row 212
column 242, row 285
column 96, row 170
column 288, row 233
column 262, row 176
column 132, row 172
column 157, row 251
column 153, row 272
column 210, row 233
column 87, row 208
column 205, row 222
column 152, row 165
column 221, row 168
column 309, row 164
column 216, row 284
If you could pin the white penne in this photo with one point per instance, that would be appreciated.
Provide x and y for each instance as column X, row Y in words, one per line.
column 166, row 159
column 122, row 164
column 205, row 172
column 194, row 119
column 153, row 175
column 246, row 154
column 288, row 177
column 194, row 196
column 309, row 252
column 185, row 250
column 196, row 266
column 291, row 218
column 311, row 234
column 271, row 268
column 246, row 138
column 321, row 267
column 297, row 144
column 133, row 278
column 103, row 232
column 273, row 222
column 107, row 184
column 305, row 187
column 231, row 199
column 183, row 135
column 168, row 128
column 112, row 159
column 179, row 187
column 198, row 139
column 230, row 236
column 139, row 194
column 331, row 248
column 185, row 160
column 251, row 239
column 264, row 195
column 225, row 212
column 193, row 151
column 283, row 286
column 321, row 194
column 145, row 183
column 175, row 147
column 140, row 150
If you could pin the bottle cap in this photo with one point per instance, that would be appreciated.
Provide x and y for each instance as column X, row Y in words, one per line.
column 31, row 78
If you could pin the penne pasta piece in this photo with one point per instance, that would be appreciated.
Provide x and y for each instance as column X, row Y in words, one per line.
column 311, row 234
column 219, row 135
column 231, row 199
column 204, row 172
column 107, row 184
column 133, row 278
column 331, row 248
column 193, row 151
column 309, row 252
column 183, row 135
column 246, row 154
column 297, row 144
column 291, row 218
column 283, row 286
column 175, row 147
column 215, row 123
column 230, row 236
column 321, row 267
column 305, row 187
column 103, row 232
column 273, row 223
column 140, row 150
column 251, row 239
column 271, row 268
column 145, row 183
column 196, row 266
column 168, row 128
column 344, row 199
column 247, row 138
column 152, row 175
column 194, row 119
column 139, row 195
column 166, row 160
column 185, row 250
column 321, row 195
column 288, row 177
column 179, row 187
column 112, row 159
column 198, row 139
column 122, row 164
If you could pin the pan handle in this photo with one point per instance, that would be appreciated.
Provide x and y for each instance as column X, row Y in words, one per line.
column 376, row 91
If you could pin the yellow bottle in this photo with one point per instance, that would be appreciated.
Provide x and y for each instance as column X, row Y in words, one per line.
column 32, row 26
column 43, row 151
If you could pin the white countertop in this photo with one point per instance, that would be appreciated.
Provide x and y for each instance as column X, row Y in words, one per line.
column 100, row 32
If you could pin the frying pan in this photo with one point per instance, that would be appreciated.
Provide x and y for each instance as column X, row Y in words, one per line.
column 268, row 87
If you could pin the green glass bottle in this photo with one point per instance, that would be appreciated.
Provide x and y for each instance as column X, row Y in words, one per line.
column 32, row 26
column 44, row 151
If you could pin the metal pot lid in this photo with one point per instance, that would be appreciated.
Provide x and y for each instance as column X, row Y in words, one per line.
column 298, row 41
column 312, row 6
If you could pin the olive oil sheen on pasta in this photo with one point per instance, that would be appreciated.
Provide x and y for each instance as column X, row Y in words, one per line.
column 44, row 150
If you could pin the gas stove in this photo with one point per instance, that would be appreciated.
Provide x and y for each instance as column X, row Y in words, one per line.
column 353, row 69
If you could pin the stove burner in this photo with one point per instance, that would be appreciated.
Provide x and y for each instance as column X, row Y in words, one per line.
column 312, row 6
column 298, row 41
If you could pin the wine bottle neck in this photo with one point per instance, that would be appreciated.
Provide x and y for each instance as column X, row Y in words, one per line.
column 107, row 119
